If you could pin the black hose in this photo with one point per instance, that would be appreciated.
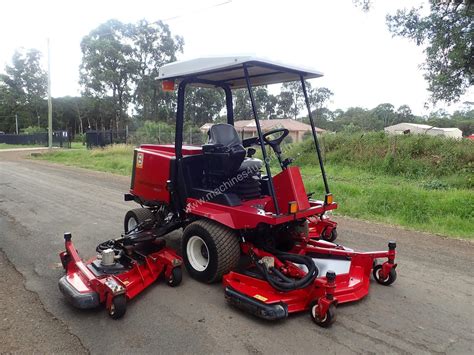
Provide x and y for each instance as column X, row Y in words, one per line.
column 283, row 283
column 109, row 244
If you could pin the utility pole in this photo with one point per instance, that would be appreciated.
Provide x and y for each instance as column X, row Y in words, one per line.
column 16, row 122
column 50, row 106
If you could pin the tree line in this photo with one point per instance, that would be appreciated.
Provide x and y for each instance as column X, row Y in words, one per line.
column 119, row 70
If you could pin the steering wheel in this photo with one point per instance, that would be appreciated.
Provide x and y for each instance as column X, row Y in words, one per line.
column 275, row 143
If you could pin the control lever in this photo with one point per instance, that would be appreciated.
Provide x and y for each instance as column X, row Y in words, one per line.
column 251, row 152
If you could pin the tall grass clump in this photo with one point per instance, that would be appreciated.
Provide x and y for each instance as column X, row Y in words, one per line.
column 410, row 156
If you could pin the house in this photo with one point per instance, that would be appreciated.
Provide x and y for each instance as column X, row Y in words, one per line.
column 247, row 128
column 415, row 128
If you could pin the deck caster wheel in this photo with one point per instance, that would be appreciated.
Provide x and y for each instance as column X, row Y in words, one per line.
column 390, row 279
column 175, row 278
column 328, row 318
column 331, row 237
column 118, row 307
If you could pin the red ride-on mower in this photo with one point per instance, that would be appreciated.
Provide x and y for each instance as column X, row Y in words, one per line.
column 122, row 269
column 263, row 234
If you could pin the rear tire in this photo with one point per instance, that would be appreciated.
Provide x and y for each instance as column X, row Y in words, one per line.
column 135, row 217
column 210, row 250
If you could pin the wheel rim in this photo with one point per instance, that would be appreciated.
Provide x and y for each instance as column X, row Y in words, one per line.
column 198, row 253
column 315, row 312
column 131, row 224
column 378, row 276
column 112, row 309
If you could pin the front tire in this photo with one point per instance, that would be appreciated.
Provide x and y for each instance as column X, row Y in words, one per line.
column 210, row 250
column 135, row 217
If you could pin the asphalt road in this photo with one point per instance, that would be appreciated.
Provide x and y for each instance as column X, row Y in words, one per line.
column 428, row 310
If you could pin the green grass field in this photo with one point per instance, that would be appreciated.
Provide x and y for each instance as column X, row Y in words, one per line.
column 419, row 203
column 12, row 146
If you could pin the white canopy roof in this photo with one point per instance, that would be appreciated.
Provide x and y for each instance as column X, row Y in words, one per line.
column 230, row 70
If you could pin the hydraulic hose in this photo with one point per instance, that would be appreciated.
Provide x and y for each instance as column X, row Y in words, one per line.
column 283, row 283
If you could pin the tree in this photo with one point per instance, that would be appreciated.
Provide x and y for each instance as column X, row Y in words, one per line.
column 202, row 105
column 318, row 97
column 404, row 114
column 294, row 90
column 23, row 87
column 153, row 46
column 447, row 31
column 122, row 60
column 384, row 115
column 242, row 105
column 271, row 107
column 285, row 104
column 265, row 103
column 107, row 65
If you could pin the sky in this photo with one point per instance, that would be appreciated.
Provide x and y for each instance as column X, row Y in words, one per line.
column 363, row 65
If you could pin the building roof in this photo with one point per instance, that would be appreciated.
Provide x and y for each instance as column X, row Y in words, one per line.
column 288, row 123
column 230, row 70
column 451, row 129
column 417, row 125
column 425, row 127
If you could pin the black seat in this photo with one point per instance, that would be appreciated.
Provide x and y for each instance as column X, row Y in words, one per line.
column 224, row 157
column 226, row 153
column 224, row 150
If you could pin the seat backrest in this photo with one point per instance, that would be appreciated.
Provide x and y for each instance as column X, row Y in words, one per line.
column 225, row 134
column 224, row 151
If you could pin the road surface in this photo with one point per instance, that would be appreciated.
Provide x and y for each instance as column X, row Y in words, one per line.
column 428, row 310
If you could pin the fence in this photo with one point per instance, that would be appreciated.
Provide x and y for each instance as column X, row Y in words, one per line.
column 105, row 137
column 60, row 139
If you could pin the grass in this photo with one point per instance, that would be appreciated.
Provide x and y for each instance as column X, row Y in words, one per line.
column 78, row 145
column 432, row 201
column 12, row 146
column 115, row 159
column 396, row 200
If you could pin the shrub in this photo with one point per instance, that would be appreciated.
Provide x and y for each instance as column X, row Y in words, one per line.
column 153, row 132
column 416, row 156
column 33, row 130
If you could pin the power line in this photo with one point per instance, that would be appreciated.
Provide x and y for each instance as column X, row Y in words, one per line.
column 196, row 11
column 181, row 15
